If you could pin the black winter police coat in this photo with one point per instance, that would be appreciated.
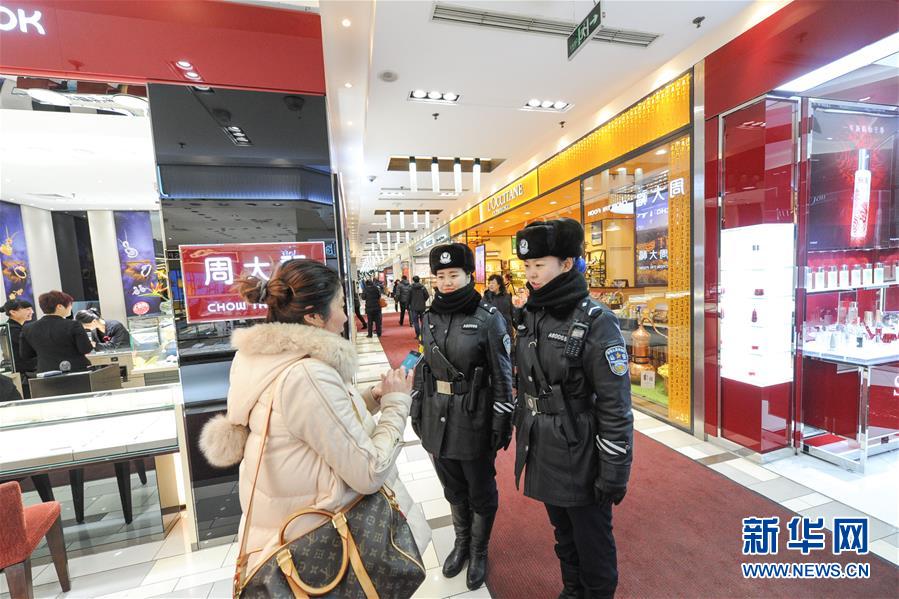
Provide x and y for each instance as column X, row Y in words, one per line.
column 565, row 459
column 459, row 426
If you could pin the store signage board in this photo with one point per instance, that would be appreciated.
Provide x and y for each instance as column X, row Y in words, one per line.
column 210, row 272
column 516, row 193
column 584, row 32
column 21, row 20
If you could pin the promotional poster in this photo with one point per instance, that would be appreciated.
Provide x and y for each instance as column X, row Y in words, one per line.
column 137, row 257
column 14, row 255
column 651, row 215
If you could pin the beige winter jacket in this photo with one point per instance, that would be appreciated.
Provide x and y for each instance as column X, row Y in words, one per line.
column 318, row 454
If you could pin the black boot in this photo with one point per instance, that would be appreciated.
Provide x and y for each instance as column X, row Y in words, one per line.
column 571, row 582
column 481, row 525
column 462, row 526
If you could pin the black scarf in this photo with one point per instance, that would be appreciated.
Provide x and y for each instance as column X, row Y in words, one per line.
column 464, row 300
column 560, row 295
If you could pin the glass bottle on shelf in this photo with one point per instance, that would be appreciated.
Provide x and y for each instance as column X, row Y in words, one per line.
column 868, row 275
column 832, row 277
column 852, row 314
column 878, row 273
column 855, row 278
column 844, row 276
column 819, row 278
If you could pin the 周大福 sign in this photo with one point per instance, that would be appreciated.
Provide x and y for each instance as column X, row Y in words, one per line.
column 211, row 271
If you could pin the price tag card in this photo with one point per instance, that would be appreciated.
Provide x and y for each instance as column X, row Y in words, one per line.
column 648, row 380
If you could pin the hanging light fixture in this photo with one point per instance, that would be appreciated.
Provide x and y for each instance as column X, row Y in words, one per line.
column 403, row 219
column 398, row 239
column 388, row 220
column 457, row 175
column 476, row 175
column 407, row 236
column 415, row 219
column 427, row 220
column 413, row 174
column 435, row 175
column 378, row 237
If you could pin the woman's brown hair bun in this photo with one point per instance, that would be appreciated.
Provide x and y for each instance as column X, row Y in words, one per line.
column 297, row 288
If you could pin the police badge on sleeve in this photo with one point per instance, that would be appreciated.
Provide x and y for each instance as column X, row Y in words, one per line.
column 617, row 358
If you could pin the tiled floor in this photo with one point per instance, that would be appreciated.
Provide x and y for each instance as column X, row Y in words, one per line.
column 169, row 569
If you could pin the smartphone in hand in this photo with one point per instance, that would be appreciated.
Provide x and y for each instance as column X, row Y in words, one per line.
column 411, row 361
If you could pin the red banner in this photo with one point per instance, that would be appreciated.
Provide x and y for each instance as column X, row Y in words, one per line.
column 210, row 272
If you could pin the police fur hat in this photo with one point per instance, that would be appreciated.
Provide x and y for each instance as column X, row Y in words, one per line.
column 452, row 255
column 561, row 237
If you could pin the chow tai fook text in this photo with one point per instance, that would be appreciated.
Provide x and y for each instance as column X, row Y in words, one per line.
column 211, row 271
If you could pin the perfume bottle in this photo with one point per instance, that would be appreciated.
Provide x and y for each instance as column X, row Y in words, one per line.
column 861, row 200
column 832, row 277
column 868, row 275
column 844, row 276
column 819, row 278
column 852, row 314
column 855, row 277
column 878, row 273
column 755, row 315
column 809, row 278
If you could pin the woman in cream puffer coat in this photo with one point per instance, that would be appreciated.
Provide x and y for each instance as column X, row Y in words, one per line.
column 324, row 447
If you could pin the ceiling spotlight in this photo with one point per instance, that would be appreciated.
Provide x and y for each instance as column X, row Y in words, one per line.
column 546, row 104
column 457, row 175
column 435, row 175
column 560, row 105
column 450, row 97
column 661, row 152
column 534, row 103
column 192, row 75
column 553, row 203
column 346, row 22
column 433, row 95
column 235, row 129
column 419, row 94
column 348, row 85
column 185, row 65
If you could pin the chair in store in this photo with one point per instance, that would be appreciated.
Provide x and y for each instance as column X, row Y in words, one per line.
column 23, row 527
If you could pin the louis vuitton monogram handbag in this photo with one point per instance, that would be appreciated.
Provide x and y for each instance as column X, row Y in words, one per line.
column 364, row 551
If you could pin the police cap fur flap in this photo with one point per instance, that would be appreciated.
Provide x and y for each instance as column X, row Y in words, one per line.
column 562, row 237
column 452, row 255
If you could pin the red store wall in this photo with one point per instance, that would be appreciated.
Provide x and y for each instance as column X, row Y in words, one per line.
column 803, row 36
column 128, row 41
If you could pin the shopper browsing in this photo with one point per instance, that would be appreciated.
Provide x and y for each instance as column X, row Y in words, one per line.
column 418, row 303
column 373, row 308
column 323, row 447
column 463, row 404
column 55, row 338
column 402, row 292
column 20, row 313
column 574, row 423
column 106, row 335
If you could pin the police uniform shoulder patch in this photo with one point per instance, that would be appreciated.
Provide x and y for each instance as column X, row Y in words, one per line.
column 617, row 358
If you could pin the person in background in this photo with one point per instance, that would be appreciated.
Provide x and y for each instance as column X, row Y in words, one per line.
column 323, row 448
column 8, row 390
column 402, row 292
column 54, row 338
column 510, row 284
column 575, row 428
column 418, row 303
column 20, row 313
column 395, row 295
column 496, row 296
column 462, row 406
column 106, row 335
column 356, row 303
column 372, row 297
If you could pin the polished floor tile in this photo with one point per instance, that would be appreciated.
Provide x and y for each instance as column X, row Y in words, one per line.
column 780, row 489
column 187, row 564
column 103, row 562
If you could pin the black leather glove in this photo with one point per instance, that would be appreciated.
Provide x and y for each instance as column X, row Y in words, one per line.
column 502, row 433
column 606, row 493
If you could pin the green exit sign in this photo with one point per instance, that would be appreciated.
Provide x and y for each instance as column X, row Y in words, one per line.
column 584, row 32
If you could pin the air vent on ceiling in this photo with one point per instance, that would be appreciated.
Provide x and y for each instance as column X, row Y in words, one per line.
column 499, row 20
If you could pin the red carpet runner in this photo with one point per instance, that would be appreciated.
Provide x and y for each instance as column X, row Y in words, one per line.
column 678, row 531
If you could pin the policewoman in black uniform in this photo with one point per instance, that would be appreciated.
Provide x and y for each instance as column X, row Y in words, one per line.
column 573, row 413
column 462, row 403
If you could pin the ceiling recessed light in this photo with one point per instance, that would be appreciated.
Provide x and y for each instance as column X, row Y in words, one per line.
column 588, row 188
column 233, row 128
column 546, row 104
column 553, row 203
column 192, row 75
column 450, row 97
column 348, row 85
column 419, row 94
column 350, row 123
column 534, row 103
column 560, row 105
column 434, row 95
column 661, row 152
column 184, row 64
column 865, row 99
column 346, row 22
column 526, row 213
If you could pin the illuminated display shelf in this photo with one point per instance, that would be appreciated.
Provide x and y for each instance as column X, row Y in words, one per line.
column 884, row 285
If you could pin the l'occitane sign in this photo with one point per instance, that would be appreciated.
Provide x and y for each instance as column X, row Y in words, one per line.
column 516, row 193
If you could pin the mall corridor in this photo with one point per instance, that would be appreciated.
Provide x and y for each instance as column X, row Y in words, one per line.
column 650, row 249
